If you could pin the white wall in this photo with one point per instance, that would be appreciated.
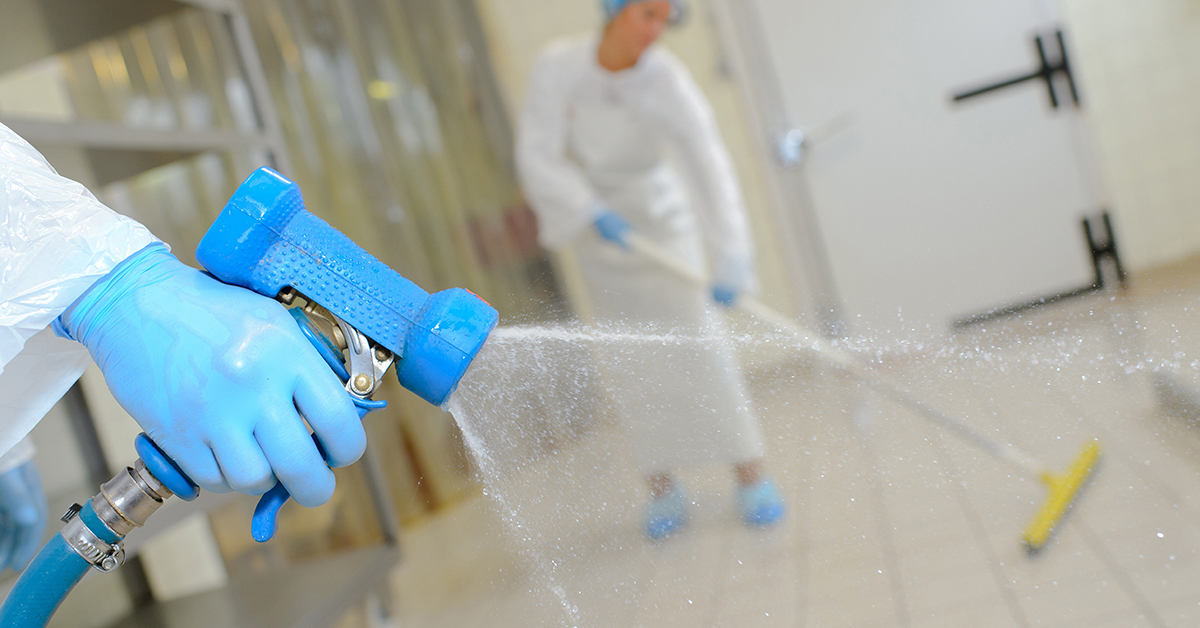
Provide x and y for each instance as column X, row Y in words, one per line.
column 932, row 210
column 1139, row 61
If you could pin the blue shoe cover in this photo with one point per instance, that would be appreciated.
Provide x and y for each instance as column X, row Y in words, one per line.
column 760, row 503
column 666, row 514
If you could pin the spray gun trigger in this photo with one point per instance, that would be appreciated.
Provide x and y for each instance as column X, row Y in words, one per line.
column 362, row 365
column 367, row 363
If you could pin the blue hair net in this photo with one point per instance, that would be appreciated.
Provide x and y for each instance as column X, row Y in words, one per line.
column 613, row 7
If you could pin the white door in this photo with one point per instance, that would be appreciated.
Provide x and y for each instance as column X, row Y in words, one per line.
column 931, row 210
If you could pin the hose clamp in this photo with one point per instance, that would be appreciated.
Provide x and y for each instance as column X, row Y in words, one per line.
column 99, row 554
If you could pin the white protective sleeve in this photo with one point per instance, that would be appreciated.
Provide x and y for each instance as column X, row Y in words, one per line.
column 557, row 188
column 705, row 162
column 56, row 240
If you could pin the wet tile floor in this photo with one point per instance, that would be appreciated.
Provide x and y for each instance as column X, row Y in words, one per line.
column 892, row 521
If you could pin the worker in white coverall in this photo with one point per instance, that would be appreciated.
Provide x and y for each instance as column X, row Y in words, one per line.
column 218, row 376
column 600, row 116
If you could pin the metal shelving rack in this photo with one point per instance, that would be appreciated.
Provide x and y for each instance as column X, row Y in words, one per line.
column 168, row 144
column 312, row 594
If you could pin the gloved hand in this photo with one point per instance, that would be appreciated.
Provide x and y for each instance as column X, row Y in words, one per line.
column 731, row 278
column 22, row 516
column 218, row 376
column 612, row 227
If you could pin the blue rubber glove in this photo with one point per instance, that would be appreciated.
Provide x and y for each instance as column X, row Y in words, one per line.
column 22, row 516
column 218, row 376
column 612, row 227
column 731, row 279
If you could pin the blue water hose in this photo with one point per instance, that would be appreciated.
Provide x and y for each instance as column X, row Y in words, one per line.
column 48, row 580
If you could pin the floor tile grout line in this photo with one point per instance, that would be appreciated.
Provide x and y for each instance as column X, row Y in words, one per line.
column 1087, row 621
column 1189, row 599
column 802, row 585
column 1155, row 481
column 803, row 541
column 484, row 615
column 1152, row 480
column 890, row 558
column 646, row 576
column 1118, row 572
column 989, row 403
column 979, row 532
column 805, row 522
column 720, row 587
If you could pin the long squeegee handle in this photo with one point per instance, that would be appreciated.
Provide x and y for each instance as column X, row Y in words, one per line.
column 747, row 303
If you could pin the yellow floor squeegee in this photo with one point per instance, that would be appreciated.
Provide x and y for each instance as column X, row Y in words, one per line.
column 1062, row 488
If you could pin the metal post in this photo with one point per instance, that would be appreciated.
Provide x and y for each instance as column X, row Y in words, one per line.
column 264, row 106
column 804, row 247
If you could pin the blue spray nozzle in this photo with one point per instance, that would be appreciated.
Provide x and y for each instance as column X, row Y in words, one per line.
column 266, row 241
column 447, row 336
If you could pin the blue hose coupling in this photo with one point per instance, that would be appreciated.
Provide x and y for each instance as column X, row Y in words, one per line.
column 266, row 241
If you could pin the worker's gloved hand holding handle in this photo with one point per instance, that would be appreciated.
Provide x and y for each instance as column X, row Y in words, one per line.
column 732, row 277
column 612, row 227
column 218, row 376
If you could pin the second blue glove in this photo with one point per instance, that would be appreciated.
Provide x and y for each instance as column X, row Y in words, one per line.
column 22, row 516
column 732, row 277
column 612, row 227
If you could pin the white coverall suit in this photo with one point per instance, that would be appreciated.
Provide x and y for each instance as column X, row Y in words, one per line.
column 56, row 240
column 591, row 139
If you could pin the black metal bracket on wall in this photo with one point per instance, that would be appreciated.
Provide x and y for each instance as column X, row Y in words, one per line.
column 1045, row 72
column 1101, row 249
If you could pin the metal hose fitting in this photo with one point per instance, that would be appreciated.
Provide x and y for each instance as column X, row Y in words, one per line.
column 124, row 503
column 127, row 501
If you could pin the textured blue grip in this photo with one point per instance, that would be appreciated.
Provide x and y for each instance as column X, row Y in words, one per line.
column 266, row 241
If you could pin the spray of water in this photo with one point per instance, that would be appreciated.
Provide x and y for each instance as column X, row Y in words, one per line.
column 554, row 456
